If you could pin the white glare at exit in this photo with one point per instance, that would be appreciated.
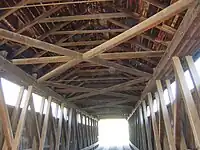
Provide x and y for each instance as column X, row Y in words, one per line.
column 113, row 132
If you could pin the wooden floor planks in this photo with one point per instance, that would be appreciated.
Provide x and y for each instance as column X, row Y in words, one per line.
column 114, row 148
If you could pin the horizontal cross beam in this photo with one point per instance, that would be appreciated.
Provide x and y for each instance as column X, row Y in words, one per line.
column 84, row 17
column 88, row 31
column 107, row 56
column 111, row 88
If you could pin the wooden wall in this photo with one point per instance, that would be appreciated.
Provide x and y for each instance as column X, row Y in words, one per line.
column 24, row 128
column 173, row 126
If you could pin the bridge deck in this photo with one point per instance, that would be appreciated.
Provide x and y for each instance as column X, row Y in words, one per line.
column 114, row 148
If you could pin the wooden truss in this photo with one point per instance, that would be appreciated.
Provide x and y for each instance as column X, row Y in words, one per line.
column 99, row 59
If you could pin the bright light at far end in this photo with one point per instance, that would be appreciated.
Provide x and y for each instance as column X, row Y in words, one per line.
column 113, row 132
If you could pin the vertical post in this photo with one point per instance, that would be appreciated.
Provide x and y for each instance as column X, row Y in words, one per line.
column 82, row 131
column 93, row 131
column 59, row 128
column 97, row 130
column 75, row 136
column 45, row 124
column 146, row 126
column 166, row 118
column 69, row 128
column 195, row 78
column 90, row 130
column 65, row 126
column 179, row 139
column 86, row 131
column 41, row 113
column 142, row 129
column 35, row 121
column 16, row 111
column 153, row 118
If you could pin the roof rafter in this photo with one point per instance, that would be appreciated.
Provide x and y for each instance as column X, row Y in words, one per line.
column 9, row 12
column 35, row 21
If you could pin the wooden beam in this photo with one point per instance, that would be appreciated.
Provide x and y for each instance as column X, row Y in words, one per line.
column 36, row 134
column 109, row 89
column 37, row 43
column 71, row 2
column 88, row 31
column 91, row 146
column 154, row 124
column 45, row 125
column 35, row 21
column 107, row 56
column 41, row 17
column 77, row 57
column 147, row 127
column 195, row 77
column 84, row 17
column 82, row 144
column 166, row 118
column 188, row 100
column 69, row 128
column 187, row 29
column 133, row 146
column 15, row 113
column 38, row 3
column 176, row 45
column 67, row 90
column 141, row 116
column 125, row 36
column 156, row 3
column 118, row 23
column 82, row 43
column 41, row 113
column 18, row 76
column 22, row 119
column 9, row 12
column 4, row 115
column 59, row 127
column 109, row 104
column 139, row 28
column 55, row 28
column 75, row 89
column 132, row 70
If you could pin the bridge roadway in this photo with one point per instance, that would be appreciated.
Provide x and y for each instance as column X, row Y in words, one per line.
column 114, row 148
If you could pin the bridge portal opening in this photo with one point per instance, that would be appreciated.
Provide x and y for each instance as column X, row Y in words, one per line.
column 113, row 132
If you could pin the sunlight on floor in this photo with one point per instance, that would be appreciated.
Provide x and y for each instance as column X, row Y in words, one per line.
column 113, row 132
